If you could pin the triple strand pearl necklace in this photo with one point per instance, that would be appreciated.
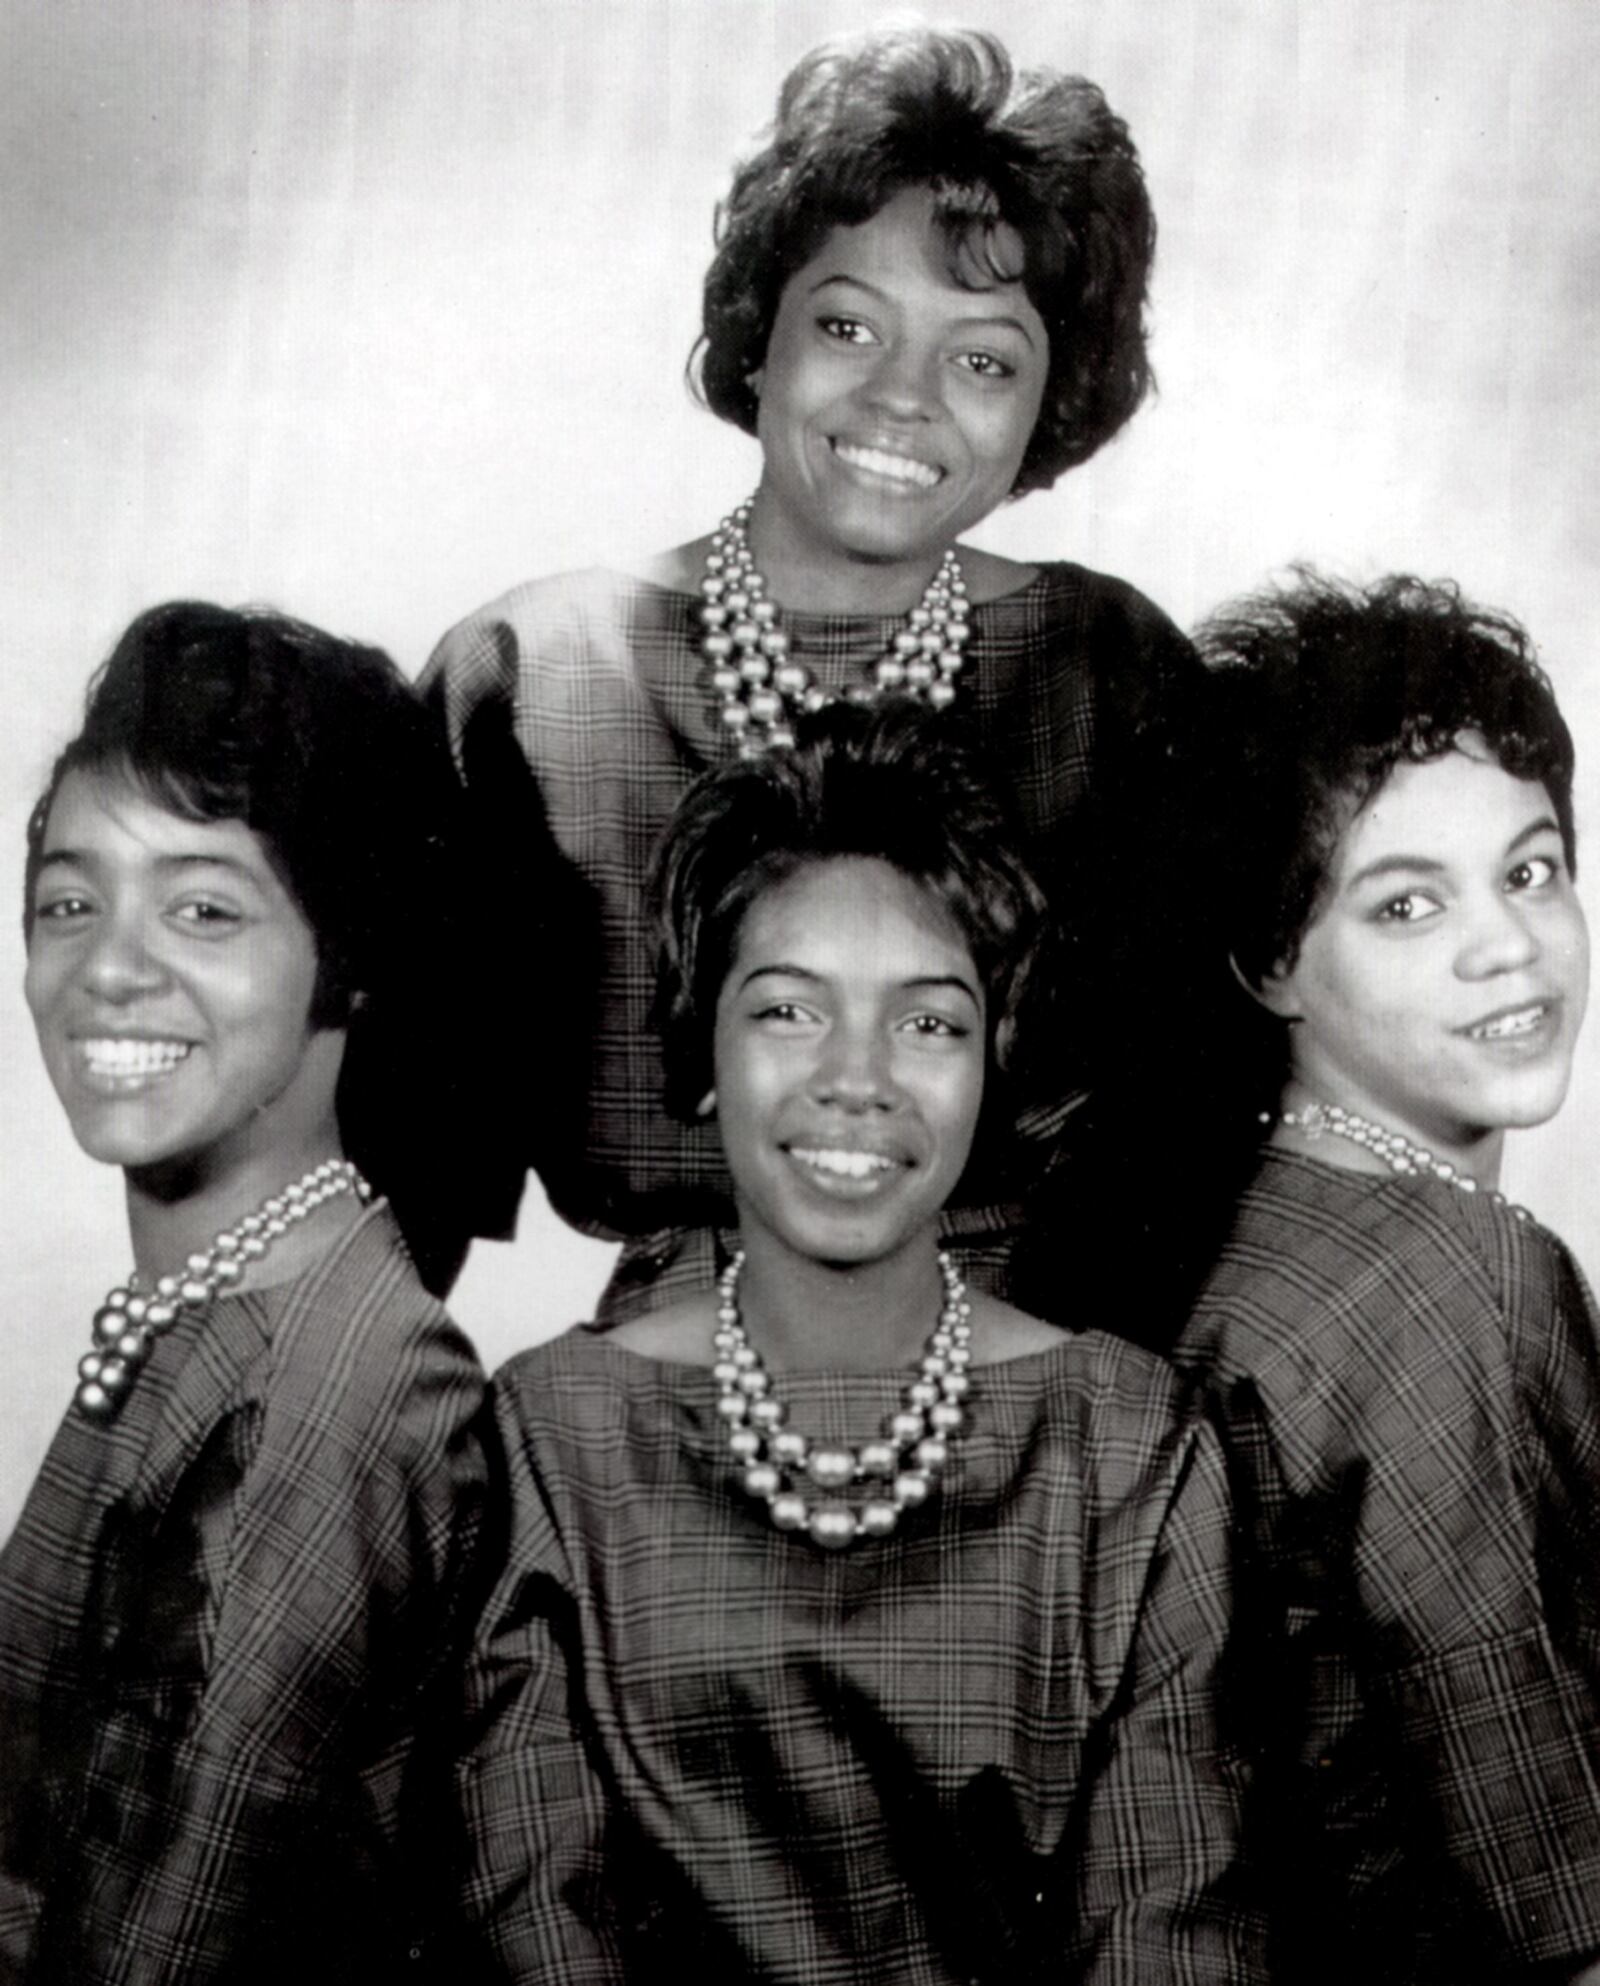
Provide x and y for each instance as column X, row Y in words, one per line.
column 898, row 1471
column 128, row 1323
column 1399, row 1153
column 764, row 690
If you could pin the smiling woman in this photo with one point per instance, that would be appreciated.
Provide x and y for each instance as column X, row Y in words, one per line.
column 232, row 1599
column 854, row 1625
column 1409, row 1362
column 927, row 299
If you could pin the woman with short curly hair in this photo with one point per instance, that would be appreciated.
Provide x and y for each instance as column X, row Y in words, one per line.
column 927, row 298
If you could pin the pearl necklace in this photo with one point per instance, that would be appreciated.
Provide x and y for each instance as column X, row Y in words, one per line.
column 128, row 1323
column 764, row 690
column 903, row 1463
column 1397, row 1152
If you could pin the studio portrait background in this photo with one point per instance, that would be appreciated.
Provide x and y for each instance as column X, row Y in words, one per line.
column 368, row 310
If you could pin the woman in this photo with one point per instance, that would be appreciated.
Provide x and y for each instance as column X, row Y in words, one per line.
column 927, row 298
column 1410, row 1364
column 800, row 1671
column 229, row 1612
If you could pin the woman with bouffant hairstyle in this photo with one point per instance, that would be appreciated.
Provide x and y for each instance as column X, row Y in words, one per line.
column 927, row 298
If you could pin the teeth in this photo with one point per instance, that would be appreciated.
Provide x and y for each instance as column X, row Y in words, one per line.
column 118, row 1057
column 899, row 468
column 848, row 1164
column 1522, row 1022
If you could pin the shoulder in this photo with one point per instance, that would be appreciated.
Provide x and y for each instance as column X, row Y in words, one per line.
column 539, row 616
column 359, row 1342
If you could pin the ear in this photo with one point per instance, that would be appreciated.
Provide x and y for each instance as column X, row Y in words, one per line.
column 753, row 380
column 707, row 1106
column 1004, row 1037
column 1274, row 990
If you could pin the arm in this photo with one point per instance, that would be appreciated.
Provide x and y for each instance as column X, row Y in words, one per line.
column 265, row 1816
column 533, row 1803
column 1162, row 1890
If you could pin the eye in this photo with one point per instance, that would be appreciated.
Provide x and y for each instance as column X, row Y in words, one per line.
column 1410, row 907
column 986, row 365
column 783, row 1016
column 206, row 914
column 63, row 908
column 935, row 1027
column 847, row 330
column 1534, row 872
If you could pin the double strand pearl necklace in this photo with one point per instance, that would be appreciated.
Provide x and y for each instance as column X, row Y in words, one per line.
column 764, row 690
column 901, row 1467
column 1397, row 1152
column 128, row 1323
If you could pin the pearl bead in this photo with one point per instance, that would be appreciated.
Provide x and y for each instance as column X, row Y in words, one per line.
column 789, row 1447
column 945, row 1418
column 879, row 1519
column 931, row 1454
column 745, row 1443
column 878, row 1458
column 763, row 1480
column 909, row 1489
column 831, row 1468
column 789, row 1511
column 766, row 1413
column 905, row 1428
column 833, row 1526
column 732, row 1407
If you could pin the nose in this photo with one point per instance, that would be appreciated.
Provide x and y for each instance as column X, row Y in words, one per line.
column 119, row 964
column 1501, row 937
column 905, row 382
column 853, row 1071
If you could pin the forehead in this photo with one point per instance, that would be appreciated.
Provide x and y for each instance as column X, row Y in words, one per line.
column 854, row 916
column 108, row 818
column 1456, row 810
column 903, row 248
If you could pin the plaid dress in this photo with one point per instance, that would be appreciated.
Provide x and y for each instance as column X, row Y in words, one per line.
column 1412, row 1377
column 228, row 1629
column 578, row 710
column 986, row 1748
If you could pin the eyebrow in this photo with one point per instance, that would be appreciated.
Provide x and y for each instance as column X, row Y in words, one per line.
column 1425, row 865
column 923, row 982
column 82, row 858
column 998, row 318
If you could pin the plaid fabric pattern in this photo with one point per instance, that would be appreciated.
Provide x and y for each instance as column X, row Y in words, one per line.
column 224, row 1621
column 578, row 711
column 988, row 1747
column 1412, row 1375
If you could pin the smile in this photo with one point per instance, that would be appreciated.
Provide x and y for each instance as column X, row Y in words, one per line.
column 902, row 469
column 844, row 1162
column 1511, row 1025
column 124, row 1059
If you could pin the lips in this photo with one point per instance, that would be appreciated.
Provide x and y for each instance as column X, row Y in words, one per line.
column 1513, row 1023
column 904, row 471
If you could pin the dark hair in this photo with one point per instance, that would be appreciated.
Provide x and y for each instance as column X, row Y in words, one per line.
column 1040, row 154
column 320, row 747
column 317, row 744
column 1319, row 690
column 886, row 783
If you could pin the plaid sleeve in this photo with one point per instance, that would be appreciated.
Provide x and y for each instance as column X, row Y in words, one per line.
column 1162, row 1889
column 340, row 1590
column 535, row 1808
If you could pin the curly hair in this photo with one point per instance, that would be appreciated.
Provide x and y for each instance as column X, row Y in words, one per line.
column 1038, row 157
column 1318, row 691
column 884, row 783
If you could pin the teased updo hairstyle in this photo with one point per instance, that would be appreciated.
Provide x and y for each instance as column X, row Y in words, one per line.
column 1319, row 690
column 1041, row 154
column 316, row 744
column 886, row 783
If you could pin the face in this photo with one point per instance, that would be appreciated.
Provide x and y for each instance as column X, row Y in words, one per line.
column 849, row 1058
column 170, row 976
column 1441, row 987
column 895, row 405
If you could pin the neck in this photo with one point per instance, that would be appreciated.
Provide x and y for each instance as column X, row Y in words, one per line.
column 821, row 579
column 175, row 1212
column 804, row 1315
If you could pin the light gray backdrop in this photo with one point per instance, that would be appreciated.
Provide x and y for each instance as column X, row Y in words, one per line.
column 370, row 309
